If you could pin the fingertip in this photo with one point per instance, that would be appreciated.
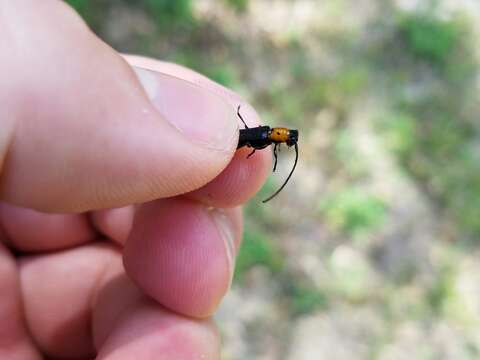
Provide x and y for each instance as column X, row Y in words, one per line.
column 238, row 182
column 181, row 255
column 148, row 331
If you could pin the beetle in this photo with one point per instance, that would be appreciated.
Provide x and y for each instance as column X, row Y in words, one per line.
column 260, row 137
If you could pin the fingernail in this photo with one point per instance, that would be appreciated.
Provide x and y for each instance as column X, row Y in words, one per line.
column 225, row 228
column 198, row 113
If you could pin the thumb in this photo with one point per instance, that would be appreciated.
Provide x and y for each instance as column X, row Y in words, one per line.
column 80, row 130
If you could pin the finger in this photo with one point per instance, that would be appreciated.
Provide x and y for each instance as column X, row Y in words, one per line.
column 243, row 177
column 30, row 230
column 71, row 316
column 114, row 223
column 238, row 182
column 14, row 340
column 127, row 325
column 58, row 292
column 79, row 116
column 182, row 254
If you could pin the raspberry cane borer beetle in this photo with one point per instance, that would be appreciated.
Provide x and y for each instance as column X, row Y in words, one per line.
column 262, row 136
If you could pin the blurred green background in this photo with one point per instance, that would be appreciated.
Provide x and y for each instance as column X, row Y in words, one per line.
column 372, row 251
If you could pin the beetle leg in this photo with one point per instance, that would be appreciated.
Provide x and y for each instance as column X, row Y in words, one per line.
column 240, row 116
column 257, row 148
column 275, row 156
column 253, row 152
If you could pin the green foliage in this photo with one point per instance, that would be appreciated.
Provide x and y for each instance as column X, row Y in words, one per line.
column 306, row 299
column 336, row 90
column 262, row 215
column 87, row 9
column 352, row 277
column 222, row 74
column 169, row 13
column 441, row 154
column 257, row 250
column 460, row 187
column 353, row 211
column 442, row 290
column 286, row 107
column 433, row 133
column 352, row 81
column 238, row 5
column 429, row 37
column 298, row 102
column 348, row 156
column 81, row 6
column 398, row 131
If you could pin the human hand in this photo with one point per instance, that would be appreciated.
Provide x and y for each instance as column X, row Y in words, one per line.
column 78, row 133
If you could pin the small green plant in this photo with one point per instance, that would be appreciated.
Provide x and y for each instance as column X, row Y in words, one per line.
column 238, row 5
column 352, row 277
column 353, row 211
column 398, row 131
column 79, row 5
column 257, row 250
column 429, row 37
column 441, row 291
column 85, row 8
column 306, row 299
column 352, row 80
column 431, row 132
column 169, row 13
column 348, row 156
column 262, row 215
column 222, row 74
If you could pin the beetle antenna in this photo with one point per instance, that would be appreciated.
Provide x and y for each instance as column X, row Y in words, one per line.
column 288, row 177
column 240, row 116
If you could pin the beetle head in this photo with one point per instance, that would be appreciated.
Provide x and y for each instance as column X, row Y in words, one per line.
column 292, row 137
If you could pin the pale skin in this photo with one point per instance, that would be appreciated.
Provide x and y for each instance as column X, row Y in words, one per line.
column 120, row 195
